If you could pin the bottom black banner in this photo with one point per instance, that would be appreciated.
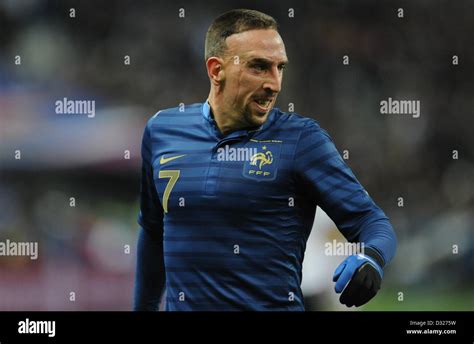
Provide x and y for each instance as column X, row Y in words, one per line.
column 323, row 327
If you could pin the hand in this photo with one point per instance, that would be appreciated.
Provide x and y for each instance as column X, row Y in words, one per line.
column 358, row 278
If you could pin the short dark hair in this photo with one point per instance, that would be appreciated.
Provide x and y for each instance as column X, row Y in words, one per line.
column 233, row 22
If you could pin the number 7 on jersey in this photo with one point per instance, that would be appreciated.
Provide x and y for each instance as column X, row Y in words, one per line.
column 173, row 175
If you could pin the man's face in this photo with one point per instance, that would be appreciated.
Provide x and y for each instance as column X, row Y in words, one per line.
column 253, row 68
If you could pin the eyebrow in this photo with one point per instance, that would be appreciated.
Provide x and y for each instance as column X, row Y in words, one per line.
column 266, row 61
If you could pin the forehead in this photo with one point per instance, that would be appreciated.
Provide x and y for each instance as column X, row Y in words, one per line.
column 257, row 43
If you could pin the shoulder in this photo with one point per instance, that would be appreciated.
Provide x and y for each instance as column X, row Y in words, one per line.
column 295, row 121
column 181, row 113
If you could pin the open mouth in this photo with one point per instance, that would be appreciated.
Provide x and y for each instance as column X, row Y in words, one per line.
column 263, row 104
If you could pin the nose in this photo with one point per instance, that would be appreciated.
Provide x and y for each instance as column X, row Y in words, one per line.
column 272, row 81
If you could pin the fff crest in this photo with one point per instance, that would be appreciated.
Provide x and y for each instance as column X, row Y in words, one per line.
column 263, row 165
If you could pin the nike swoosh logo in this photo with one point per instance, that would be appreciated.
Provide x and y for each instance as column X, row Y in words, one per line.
column 164, row 160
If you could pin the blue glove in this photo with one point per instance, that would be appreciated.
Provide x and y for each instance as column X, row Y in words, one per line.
column 359, row 278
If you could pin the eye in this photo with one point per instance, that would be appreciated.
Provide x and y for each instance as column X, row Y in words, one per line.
column 259, row 67
column 281, row 67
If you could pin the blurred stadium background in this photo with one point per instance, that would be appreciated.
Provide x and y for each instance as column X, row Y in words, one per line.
column 82, row 248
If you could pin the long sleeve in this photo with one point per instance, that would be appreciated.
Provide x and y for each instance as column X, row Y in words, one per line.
column 333, row 186
column 150, row 270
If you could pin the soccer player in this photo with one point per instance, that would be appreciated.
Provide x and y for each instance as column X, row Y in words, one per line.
column 222, row 233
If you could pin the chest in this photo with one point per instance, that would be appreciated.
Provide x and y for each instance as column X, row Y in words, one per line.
column 229, row 174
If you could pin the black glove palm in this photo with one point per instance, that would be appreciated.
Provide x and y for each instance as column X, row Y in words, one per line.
column 359, row 278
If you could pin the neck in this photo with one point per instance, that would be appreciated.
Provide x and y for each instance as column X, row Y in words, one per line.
column 224, row 121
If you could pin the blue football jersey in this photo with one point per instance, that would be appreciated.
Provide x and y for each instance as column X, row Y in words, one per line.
column 234, row 212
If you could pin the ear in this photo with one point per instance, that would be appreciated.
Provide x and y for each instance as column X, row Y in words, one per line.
column 215, row 70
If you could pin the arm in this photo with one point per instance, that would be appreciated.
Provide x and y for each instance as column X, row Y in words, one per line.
column 150, row 273
column 336, row 190
column 150, row 270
